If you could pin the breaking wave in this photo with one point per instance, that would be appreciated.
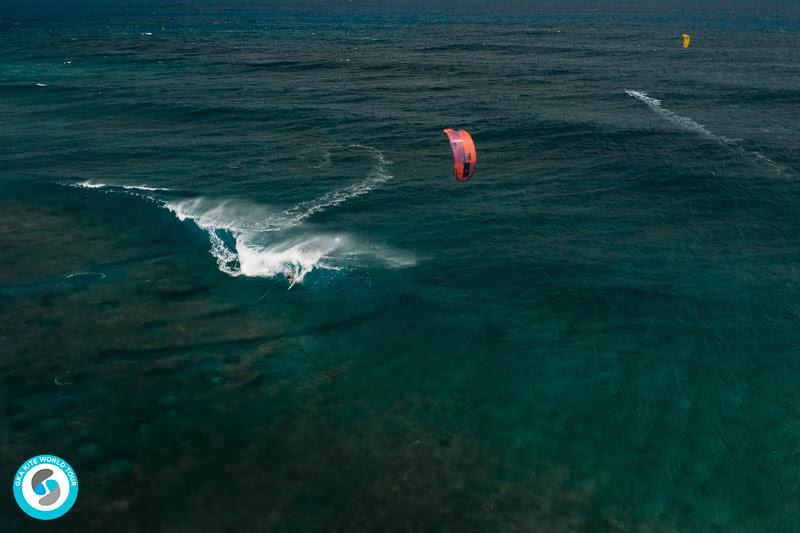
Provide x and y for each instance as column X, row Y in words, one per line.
column 250, row 239
column 243, row 235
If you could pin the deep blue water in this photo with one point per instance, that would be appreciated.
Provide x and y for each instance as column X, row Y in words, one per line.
column 599, row 332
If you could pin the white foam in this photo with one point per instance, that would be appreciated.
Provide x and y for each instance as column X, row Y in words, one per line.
column 89, row 185
column 299, row 256
column 144, row 188
column 231, row 215
column 41, row 85
column 227, row 260
column 97, row 185
column 302, row 254
column 255, row 249
column 251, row 255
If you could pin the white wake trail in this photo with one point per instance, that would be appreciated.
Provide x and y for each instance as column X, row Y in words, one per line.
column 683, row 122
column 377, row 176
column 688, row 124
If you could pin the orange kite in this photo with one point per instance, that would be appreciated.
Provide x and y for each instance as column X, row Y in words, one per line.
column 464, row 155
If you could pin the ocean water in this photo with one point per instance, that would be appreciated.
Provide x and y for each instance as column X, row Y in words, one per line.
column 599, row 332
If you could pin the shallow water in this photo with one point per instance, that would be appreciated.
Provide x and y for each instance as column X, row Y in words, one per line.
column 599, row 332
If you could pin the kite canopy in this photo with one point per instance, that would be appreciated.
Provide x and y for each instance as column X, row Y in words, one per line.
column 686, row 40
column 464, row 155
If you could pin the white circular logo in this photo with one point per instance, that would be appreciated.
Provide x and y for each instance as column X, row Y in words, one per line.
column 45, row 487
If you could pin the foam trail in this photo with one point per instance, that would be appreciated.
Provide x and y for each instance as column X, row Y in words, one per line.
column 691, row 125
column 377, row 176
column 684, row 122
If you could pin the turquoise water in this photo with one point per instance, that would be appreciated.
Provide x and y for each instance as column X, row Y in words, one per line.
column 599, row 332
